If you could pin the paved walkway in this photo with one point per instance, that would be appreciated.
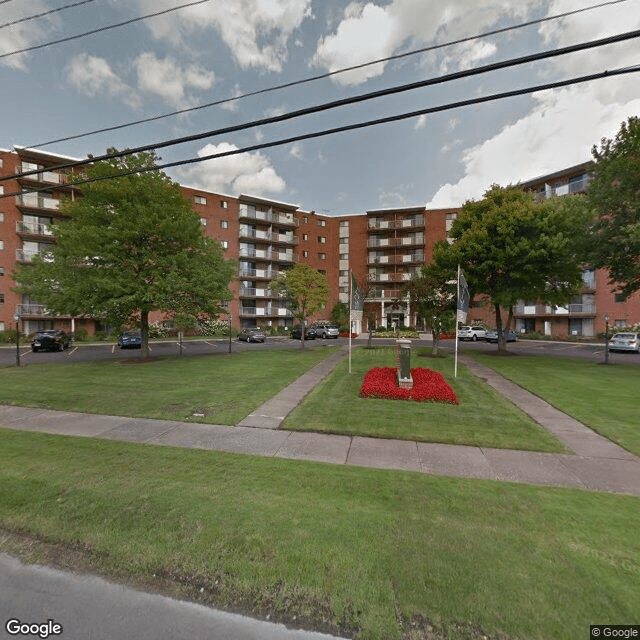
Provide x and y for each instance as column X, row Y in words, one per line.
column 597, row 465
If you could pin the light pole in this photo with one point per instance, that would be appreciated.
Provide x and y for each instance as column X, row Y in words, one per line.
column 16, row 317
column 229, row 331
column 606, row 338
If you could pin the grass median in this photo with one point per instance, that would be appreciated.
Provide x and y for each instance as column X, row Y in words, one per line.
column 222, row 388
column 372, row 554
column 483, row 417
column 604, row 398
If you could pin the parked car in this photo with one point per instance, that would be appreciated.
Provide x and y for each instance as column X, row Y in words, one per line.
column 492, row 336
column 326, row 330
column 625, row 342
column 252, row 334
column 309, row 333
column 471, row 333
column 50, row 340
column 130, row 340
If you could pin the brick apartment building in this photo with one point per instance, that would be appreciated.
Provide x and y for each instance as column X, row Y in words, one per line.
column 383, row 248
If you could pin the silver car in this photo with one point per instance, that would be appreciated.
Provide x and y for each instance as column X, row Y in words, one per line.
column 625, row 342
column 251, row 334
column 326, row 330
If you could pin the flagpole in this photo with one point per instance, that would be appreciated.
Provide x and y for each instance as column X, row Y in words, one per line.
column 455, row 365
column 350, row 308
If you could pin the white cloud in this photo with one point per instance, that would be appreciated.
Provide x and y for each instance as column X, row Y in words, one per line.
column 421, row 122
column 167, row 79
column 25, row 34
column 256, row 31
column 558, row 132
column 93, row 76
column 370, row 31
column 242, row 173
column 297, row 150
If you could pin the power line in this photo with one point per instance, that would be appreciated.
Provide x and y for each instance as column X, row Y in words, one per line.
column 329, row 74
column 512, row 62
column 101, row 29
column 359, row 125
column 46, row 13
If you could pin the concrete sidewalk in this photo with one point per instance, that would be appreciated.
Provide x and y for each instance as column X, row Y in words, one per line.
column 599, row 464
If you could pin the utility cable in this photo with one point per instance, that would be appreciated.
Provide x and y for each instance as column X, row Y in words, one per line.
column 101, row 29
column 347, row 101
column 352, row 127
column 323, row 76
column 46, row 13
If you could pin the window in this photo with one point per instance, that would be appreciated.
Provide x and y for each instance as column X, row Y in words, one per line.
column 620, row 297
column 322, row 223
column 224, row 224
column 322, row 256
column 200, row 200
column 305, row 236
column 224, row 204
column 1, row 298
column 305, row 254
column 322, row 239
column 1, row 245
column 225, row 244
column 344, row 273
column 344, row 223
column 1, row 323
column 1, row 217
column 305, row 220
column 203, row 222
column 344, row 256
column 1, row 271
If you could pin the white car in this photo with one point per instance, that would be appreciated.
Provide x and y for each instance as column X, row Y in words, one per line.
column 471, row 333
column 625, row 342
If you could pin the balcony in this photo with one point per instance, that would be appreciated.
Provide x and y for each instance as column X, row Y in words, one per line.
column 33, row 229
column 48, row 177
column 378, row 295
column 265, row 312
column 257, row 274
column 403, row 223
column 251, row 292
column 569, row 310
column 402, row 241
column 37, row 201
column 269, row 216
column 389, row 277
column 31, row 310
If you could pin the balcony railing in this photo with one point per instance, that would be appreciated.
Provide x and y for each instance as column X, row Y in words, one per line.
column 389, row 277
column 383, row 294
column 37, row 201
column 588, row 309
column 33, row 228
column 266, row 274
column 403, row 223
column 270, row 216
column 404, row 241
column 251, row 292
column 31, row 310
column 265, row 312
column 50, row 177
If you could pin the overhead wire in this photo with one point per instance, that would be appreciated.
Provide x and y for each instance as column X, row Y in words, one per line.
column 358, row 125
column 328, row 74
column 45, row 13
column 101, row 29
column 512, row 62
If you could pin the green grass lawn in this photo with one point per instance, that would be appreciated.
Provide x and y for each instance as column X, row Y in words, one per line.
column 483, row 417
column 605, row 398
column 359, row 551
column 225, row 388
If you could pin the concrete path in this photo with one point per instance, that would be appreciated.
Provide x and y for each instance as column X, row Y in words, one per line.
column 598, row 464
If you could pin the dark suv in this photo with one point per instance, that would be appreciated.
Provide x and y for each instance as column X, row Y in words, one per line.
column 309, row 333
column 50, row 340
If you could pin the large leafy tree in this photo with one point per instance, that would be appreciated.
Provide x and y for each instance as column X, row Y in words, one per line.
column 432, row 293
column 306, row 291
column 512, row 247
column 614, row 193
column 131, row 245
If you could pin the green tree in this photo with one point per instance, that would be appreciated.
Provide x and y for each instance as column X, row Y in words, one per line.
column 130, row 245
column 614, row 193
column 432, row 293
column 306, row 291
column 512, row 248
column 340, row 314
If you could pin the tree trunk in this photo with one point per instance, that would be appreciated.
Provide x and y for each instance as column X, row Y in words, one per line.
column 436, row 342
column 144, row 333
column 502, row 338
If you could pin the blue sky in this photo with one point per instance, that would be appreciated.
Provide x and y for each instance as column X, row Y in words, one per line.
column 218, row 50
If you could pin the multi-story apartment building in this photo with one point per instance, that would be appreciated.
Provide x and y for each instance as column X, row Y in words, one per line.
column 586, row 314
column 382, row 248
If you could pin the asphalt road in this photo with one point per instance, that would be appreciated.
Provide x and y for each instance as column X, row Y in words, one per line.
column 80, row 352
column 85, row 607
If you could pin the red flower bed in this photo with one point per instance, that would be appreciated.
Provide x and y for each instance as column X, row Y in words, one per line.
column 381, row 382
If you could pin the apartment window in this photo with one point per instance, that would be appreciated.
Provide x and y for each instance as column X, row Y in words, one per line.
column 1, row 244
column 305, row 220
column 322, row 256
column 619, row 297
column 344, row 223
column 1, row 298
column 305, row 236
column 1, row 190
column 322, row 271
column 322, row 239
column 200, row 200
column 344, row 273
column 344, row 256
column 305, row 254
column 1, row 271
column 1, row 217
column 225, row 244
column 344, row 289
column 1, row 323
column 203, row 222
column 322, row 223
column 224, row 204
column 224, row 224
